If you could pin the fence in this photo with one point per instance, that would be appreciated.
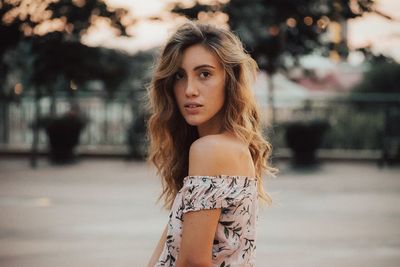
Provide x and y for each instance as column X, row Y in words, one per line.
column 108, row 121
column 363, row 122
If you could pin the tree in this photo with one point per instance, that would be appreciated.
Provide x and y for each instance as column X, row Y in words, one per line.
column 382, row 77
column 20, row 19
column 46, row 24
column 276, row 32
column 50, row 33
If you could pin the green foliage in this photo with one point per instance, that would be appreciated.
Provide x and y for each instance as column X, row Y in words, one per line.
column 21, row 19
column 58, row 52
column 349, row 129
column 355, row 130
column 383, row 77
column 140, row 68
column 271, row 29
column 80, row 16
column 78, row 63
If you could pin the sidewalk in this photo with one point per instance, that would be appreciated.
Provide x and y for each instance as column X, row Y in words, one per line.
column 102, row 212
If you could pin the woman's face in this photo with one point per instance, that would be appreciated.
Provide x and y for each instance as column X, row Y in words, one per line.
column 199, row 88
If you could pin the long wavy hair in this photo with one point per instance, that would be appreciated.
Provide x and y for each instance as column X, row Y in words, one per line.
column 170, row 135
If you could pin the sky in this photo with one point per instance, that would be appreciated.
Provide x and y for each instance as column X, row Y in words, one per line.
column 383, row 35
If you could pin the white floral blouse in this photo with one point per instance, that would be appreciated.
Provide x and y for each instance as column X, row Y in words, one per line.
column 235, row 239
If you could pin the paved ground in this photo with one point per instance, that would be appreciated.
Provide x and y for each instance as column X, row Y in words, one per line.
column 102, row 213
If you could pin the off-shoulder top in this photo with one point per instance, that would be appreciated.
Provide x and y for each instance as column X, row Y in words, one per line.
column 235, row 239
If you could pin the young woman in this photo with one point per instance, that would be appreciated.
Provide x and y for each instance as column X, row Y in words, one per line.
column 206, row 143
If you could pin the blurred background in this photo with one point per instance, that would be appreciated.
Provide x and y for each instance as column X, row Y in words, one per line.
column 75, row 189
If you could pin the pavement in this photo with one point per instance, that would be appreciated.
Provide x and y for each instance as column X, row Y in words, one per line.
column 102, row 212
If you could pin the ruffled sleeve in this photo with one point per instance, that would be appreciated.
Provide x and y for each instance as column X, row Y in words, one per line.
column 213, row 192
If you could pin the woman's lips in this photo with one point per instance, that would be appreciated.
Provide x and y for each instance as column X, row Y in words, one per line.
column 193, row 109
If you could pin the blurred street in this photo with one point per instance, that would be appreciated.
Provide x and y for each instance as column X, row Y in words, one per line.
column 103, row 213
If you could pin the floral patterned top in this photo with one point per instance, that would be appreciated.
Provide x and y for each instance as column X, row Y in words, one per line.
column 235, row 238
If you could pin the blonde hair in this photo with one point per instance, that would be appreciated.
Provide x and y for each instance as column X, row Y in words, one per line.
column 169, row 134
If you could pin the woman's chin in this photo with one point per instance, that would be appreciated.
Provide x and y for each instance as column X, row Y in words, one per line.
column 193, row 122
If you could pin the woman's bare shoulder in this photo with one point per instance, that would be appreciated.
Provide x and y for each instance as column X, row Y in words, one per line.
column 220, row 154
column 218, row 144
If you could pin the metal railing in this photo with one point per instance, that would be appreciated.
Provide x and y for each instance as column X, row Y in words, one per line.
column 363, row 122
column 108, row 121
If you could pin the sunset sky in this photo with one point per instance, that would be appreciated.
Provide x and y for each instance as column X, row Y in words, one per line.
column 382, row 34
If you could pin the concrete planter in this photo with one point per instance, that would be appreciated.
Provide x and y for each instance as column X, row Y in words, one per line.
column 63, row 134
column 304, row 138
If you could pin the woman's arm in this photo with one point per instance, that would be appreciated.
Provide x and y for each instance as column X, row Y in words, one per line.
column 158, row 250
column 197, row 238
column 199, row 227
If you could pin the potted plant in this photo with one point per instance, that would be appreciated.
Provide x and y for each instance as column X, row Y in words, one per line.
column 304, row 138
column 63, row 134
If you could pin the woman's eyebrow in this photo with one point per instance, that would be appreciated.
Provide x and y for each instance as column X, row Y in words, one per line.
column 197, row 67
column 203, row 66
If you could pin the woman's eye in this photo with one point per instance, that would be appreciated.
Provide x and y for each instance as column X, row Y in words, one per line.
column 178, row 76
column 204, row 74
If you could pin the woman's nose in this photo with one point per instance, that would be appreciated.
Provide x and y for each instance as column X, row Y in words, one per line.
column 191, row 89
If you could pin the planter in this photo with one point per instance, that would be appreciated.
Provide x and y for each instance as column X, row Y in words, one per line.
column 304, row 138
column 63, row 136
